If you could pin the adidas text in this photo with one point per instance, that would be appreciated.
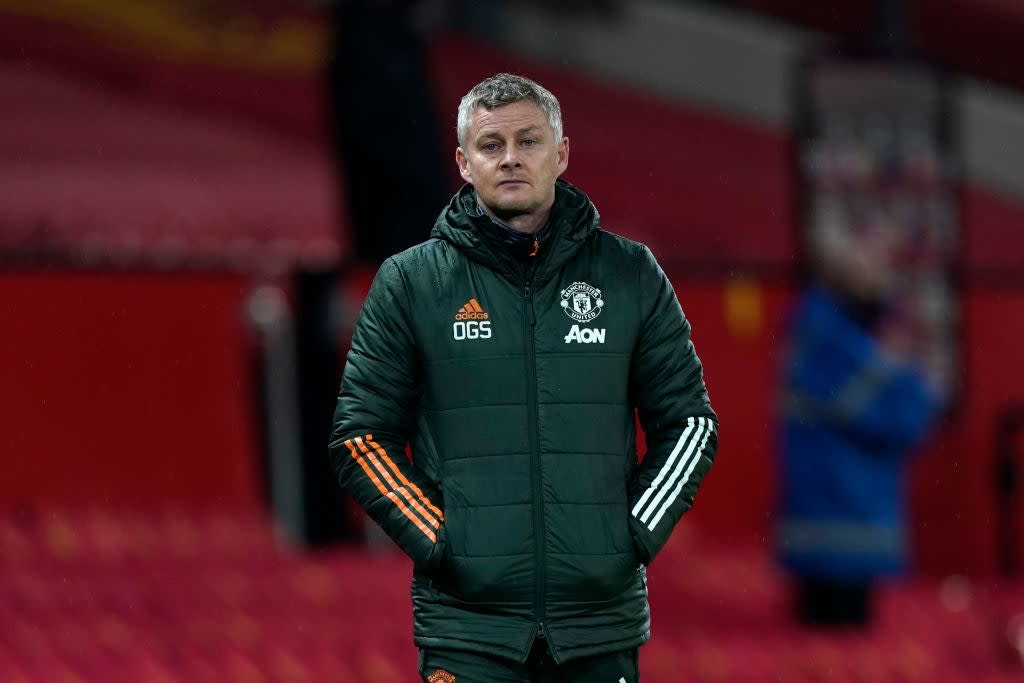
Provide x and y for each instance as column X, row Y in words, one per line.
column 585, row 335
column 471, row 322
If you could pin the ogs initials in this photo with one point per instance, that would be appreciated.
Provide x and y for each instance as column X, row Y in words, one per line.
column 471, row 329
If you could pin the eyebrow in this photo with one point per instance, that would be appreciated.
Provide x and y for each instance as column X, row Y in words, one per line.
column 529, row 129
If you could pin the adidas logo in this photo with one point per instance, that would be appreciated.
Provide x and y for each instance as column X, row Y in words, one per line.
column 471, row 322
column 471, row 310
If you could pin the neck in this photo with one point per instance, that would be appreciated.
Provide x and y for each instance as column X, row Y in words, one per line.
column 528, row 223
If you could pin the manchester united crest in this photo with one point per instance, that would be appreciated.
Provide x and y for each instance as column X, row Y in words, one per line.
column 582, row 302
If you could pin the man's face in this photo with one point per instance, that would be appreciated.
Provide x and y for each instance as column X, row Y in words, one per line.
column 511, row 158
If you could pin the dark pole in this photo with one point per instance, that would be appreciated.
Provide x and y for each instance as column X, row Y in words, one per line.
column 1009, row 425
column 892, row 28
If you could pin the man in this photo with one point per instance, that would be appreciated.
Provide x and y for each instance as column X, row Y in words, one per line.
column 511, row 350
column 858, row 403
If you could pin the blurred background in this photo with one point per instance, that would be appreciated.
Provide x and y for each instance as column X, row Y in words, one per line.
column 194, row 195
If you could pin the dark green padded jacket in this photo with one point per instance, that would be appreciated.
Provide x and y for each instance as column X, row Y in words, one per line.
column 524, row 508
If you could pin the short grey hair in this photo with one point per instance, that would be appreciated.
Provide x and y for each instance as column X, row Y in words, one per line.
column 502, row 89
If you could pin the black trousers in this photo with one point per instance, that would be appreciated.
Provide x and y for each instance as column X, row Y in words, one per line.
column 454, row 666
column 826, row 603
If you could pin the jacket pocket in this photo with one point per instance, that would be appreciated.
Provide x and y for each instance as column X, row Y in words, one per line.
column 470, row 584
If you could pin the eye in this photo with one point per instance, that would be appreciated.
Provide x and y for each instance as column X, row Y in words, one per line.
column 489, row 146
column 529, row 142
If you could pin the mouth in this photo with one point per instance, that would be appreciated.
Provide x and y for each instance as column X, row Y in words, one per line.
column 504, row 183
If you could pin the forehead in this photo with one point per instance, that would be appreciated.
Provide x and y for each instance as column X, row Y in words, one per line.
column 506, row 119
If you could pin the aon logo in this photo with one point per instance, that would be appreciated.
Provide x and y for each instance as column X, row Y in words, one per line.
column 585, row 335
column 471, row 329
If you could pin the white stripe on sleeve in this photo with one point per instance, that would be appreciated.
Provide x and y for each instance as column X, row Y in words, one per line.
column 672, row 468
column 680, row 466
column 686, row 477
column 664, row 470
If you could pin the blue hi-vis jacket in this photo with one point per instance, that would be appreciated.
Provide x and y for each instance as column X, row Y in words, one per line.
column 851, row 416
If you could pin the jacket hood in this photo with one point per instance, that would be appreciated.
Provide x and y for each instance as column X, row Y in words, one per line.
column 573, row 219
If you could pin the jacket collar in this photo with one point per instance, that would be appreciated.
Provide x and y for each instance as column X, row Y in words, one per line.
column 572, row 221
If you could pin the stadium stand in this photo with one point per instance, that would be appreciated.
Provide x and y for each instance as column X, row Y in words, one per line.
column 93, row 176
column 179, row 594
column 153, row 559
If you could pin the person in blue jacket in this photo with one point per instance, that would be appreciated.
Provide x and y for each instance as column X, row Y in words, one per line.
column 855, row 406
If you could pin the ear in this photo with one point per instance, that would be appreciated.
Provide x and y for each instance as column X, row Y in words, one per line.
column 563, row 155
column 463, row 162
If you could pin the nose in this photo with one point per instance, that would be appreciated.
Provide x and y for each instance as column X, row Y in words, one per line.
column 511, row 158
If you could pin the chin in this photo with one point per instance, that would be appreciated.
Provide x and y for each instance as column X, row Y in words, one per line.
column 518, row 204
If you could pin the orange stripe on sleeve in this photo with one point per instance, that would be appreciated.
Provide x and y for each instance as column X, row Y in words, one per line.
column 428, row 532
column 366, row 468
column 383, row 454
column 394, row 485
column 390, row 495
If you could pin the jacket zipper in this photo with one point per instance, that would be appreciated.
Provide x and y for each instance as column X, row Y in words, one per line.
column 529, row 321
